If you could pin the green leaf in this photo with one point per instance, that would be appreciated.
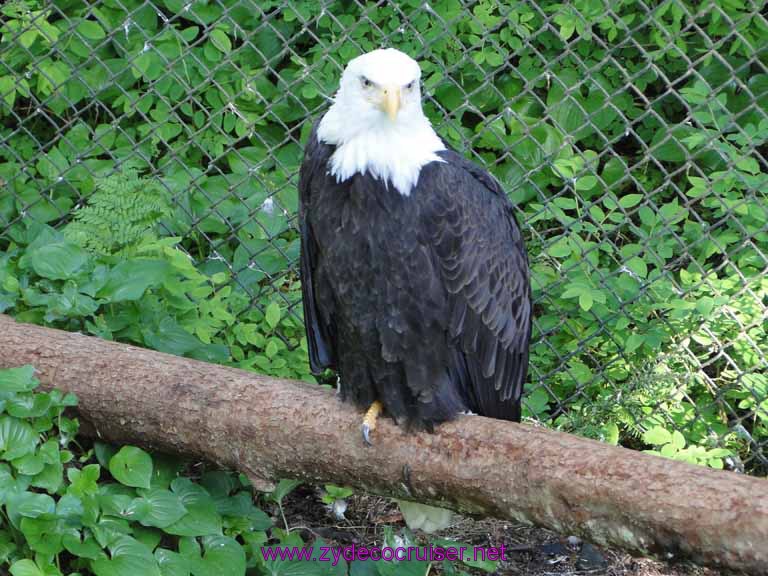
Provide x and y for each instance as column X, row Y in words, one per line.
column 58, row 261
column 634, row 341
column 91, row 30
column 43, row 535
column 272, row 314
column 104, row 452
column 18, row 379
column 585, row 183
column 30, row 505
column 284, row 487
column 586, row 300
column 129, row 557
column 657, row 436
column 29, row 465
column 131, row 278
column 220, row 39
column 86, row 547
column 748, row 164
column 17, row 438
column 84, row 481
column 164, row 508
column 150, row 537
column 116, row 499
column 29, row 405
column 241, row 506
column 26, row 568
column 560, row 249
column 172, row 563
column 201, row 518
column 611, row 433
column 630, row 200
column 638, row 266
column 678, row 440
column 131, row 466
column 8, row 90
column 222, row 555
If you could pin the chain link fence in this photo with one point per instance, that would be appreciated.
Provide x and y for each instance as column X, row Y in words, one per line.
column 631, row 135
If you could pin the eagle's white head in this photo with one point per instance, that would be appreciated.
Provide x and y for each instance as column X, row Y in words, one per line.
column 376, row 121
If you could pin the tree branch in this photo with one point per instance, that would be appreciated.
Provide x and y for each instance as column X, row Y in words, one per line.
column 270, row 428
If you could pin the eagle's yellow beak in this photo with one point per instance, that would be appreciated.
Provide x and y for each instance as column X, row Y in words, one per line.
column 390, row 102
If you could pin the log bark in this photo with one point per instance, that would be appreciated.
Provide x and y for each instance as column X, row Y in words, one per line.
column 270, row 428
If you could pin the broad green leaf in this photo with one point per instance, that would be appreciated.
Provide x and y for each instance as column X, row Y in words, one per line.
column 164, row 508
column 611, row 433
column 29, row 405
column 678, row 440
column 91, row 30
column 43, row 535
column 221, row 555
column 241, row 505
column 630, row 200
column 130, row 279
column 634, row 341
column 272, row 314
column 585, row 301
column 220, row 39
column 86, row 547
column 17, row 438
column 638, row 266
column 219, row 483
column 172, row 563
column 284, row 487
column 104, row 452
column 26, row 568
column 8, row 90
column 148, row 536
column 30, row 465
column 165, row 469
column 116, row 499
column 657, row 436
column 58, row 261
column 129, row 557
column 560, row 249
column 50, row 478
column 17, row 379
column 109, row 530
column 585, row 182
column 201, row 518
column 131, row 466
column 30, row 505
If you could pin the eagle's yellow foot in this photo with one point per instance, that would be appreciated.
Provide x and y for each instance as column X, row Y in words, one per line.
column 369, row 421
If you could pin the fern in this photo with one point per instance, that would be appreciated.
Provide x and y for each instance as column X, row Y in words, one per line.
column 124, row 209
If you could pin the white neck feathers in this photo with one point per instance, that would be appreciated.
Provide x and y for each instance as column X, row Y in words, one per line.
column 393, row 152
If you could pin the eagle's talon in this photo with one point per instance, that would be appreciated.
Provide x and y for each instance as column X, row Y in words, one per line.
column 369, row 421
column 366, row 434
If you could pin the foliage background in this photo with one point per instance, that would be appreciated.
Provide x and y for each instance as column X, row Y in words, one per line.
column 149, row 154
column 148, row 161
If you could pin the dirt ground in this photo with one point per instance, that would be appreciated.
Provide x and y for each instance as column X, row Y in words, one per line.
column 534, row 551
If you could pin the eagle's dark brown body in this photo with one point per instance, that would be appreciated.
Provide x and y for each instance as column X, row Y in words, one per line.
column 420, row 301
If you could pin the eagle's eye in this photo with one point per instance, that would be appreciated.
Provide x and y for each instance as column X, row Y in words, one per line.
column 365, row 82
column 410, row 85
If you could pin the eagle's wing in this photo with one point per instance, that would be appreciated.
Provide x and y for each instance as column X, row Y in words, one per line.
column 320, row 335
column 484, row 265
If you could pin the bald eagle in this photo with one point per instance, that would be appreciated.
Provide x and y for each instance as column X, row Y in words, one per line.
column 414, row 272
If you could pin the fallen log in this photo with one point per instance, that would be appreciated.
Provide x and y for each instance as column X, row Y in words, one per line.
column 270, row 428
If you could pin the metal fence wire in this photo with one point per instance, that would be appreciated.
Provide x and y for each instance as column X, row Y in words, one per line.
column 631, row 136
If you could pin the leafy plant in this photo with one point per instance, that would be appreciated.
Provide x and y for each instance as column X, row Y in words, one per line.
column 631, row 135
column 72, row 508
column 123, row 211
